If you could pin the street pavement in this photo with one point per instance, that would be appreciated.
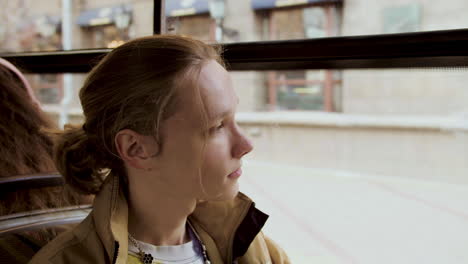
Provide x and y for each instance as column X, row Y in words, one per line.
column 326, row 216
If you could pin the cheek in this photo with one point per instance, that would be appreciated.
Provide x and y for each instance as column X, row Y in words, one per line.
column 216, row 157
column 182, row 155
column 217, row 165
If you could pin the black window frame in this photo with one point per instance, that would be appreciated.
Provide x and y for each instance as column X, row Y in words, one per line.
column 443, row 48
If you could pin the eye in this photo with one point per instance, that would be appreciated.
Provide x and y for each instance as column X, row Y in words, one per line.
column 218, row 127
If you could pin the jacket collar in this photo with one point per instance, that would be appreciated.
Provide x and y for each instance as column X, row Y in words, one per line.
column 110, row 215
column 232, row 225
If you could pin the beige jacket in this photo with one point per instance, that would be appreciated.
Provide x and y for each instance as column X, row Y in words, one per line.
column 230, row 230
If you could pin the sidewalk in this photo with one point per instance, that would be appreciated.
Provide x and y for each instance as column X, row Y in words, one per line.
column 323, row 216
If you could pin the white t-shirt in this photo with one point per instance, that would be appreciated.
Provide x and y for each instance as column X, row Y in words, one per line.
column 188, row 253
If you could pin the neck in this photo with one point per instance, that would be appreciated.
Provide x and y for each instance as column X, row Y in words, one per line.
column 158, row 219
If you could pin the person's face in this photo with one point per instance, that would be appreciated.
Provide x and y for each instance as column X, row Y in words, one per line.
column 202, row 146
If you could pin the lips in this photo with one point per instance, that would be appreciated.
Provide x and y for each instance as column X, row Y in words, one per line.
column 236, row 174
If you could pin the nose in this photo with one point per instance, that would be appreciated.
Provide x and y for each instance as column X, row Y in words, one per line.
column 242, row 146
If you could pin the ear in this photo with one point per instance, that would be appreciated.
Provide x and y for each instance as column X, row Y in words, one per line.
column 135, row 149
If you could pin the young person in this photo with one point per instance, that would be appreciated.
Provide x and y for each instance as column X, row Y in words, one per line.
column 25, row 149
column 161, row 150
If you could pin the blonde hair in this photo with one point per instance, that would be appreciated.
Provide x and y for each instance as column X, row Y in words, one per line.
column 134, row 87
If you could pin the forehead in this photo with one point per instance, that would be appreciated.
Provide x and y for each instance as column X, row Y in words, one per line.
column 216, row 89
column 213, row 92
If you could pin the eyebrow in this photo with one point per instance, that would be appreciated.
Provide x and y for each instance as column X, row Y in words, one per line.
column 222, row 114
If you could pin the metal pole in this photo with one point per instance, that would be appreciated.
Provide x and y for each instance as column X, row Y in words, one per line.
column 67, row 77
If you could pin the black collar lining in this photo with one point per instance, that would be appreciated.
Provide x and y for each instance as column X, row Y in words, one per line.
column 247, row 231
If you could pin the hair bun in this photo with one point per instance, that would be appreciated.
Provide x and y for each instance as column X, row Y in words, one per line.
column 77, row 161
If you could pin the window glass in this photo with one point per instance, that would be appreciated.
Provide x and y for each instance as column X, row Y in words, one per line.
column 58, row 95
column 45, row 25
column 303, row 90
column 259, row 20
column 252, row 20
column 386, row 170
